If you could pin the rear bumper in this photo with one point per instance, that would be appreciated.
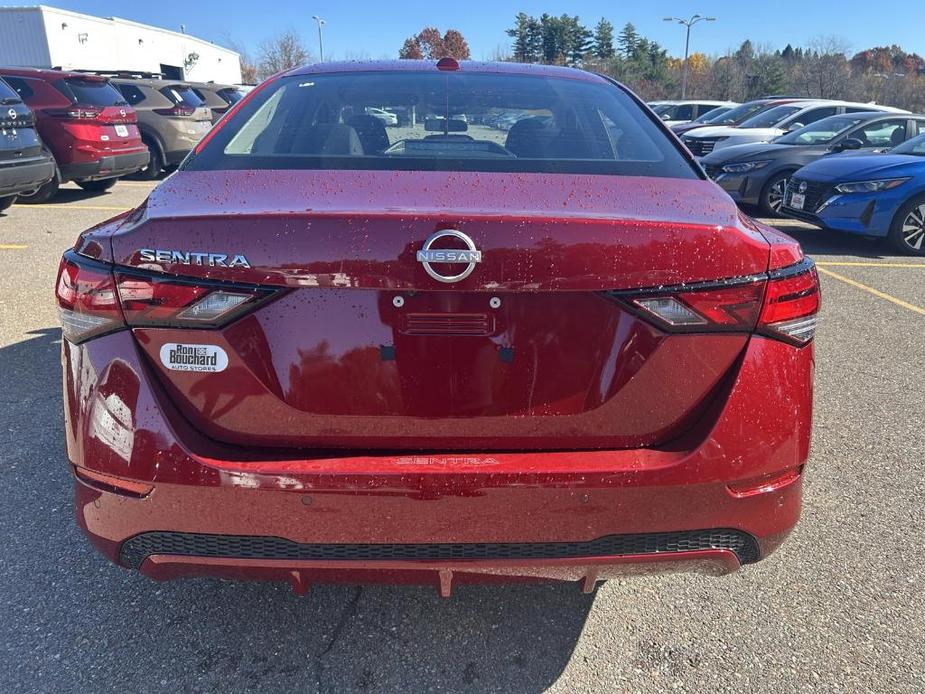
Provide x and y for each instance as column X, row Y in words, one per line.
column 110, row 166
column 435, row 518
column 25, row 176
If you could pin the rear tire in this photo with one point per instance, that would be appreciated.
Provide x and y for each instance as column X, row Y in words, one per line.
column 155, row 163
column 6, row 202
column 98, row 186
column 772, row 195
column 42, row 193
column 907, row 232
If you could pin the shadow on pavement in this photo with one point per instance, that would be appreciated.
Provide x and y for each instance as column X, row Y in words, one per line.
column 817, row 242
column 77, row 623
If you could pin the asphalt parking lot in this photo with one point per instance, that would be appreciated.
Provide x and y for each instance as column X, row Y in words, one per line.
column 838, row 608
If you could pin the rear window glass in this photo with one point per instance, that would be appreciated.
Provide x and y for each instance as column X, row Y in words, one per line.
column 182, row 95
column 440, row 121
column 231, row 96
column 7, row 94
column 20, row 86
column 131, row 93
column 94, row 93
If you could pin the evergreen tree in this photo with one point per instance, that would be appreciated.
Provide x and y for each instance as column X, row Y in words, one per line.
column 603, row 40
column 577, row 40
column 628, row 40
column 521, row 46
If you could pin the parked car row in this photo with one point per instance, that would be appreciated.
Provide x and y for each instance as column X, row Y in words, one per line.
column 855, row 168
column 94, row 128
column 686, row 111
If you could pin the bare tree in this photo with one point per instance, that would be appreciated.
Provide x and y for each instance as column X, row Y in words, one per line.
column 824, row 71
column 282, row 52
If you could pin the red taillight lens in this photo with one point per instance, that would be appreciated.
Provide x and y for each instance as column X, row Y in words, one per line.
column 791, row 304
column 76, row 112
column 733, row 306
column 149, row 300
column 87, row 302
column 782, row 304
column 94, row 301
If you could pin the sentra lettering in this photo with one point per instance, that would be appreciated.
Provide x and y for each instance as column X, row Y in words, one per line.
column 174, row 257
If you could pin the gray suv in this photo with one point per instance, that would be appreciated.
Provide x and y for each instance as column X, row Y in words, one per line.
column 218, row 97
column 171, row 118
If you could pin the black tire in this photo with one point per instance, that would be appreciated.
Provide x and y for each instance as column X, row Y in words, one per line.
column 907, row 232
column 98, row 186
column 772, row 195
column 155, row 163
column 6, row 202
column 41, row 194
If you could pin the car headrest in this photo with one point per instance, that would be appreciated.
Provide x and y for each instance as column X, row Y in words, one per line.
column 898, row 136
column 371, row 131
column 327, row 138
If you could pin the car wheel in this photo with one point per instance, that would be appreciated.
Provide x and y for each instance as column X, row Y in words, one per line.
column 98, row 186
column 6, row 202
column 772, row 196
column 155, row 164
column 907, row 232
column 42, row 193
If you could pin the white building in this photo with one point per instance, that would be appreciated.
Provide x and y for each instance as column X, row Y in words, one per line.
column 48, row 37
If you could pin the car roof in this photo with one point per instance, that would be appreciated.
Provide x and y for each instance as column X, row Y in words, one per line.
column 149, row 81
column 466, row 66
column 208, row 85
column 697, row 101
column 812, row 103
column 49, row 73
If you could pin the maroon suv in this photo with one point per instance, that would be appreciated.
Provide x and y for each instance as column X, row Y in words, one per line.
column 86, row 124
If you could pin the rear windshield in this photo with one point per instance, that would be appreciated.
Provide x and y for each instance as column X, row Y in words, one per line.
column 93, row 93
column 7, row 94
column 443, row 121
column 771, row 117
column 180, row 94
column 231, row 96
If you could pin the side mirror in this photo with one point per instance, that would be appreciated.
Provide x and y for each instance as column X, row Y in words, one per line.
column 794, row 126
column 666, row 116
column 847, row 143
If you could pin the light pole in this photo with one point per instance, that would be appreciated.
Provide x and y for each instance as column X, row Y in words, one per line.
column 320, row 36
column 687, row 43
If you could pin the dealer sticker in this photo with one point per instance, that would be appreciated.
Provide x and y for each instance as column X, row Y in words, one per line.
column 201, row 358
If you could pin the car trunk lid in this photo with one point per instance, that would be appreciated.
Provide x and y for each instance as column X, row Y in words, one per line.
column 365, row 349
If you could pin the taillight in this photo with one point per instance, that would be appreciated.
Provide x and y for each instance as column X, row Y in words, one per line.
column 782, row 304
column 87, row 302
column 76, row 112
column 177, row 111
column 731, row 306
column 791, row 304
column 95, row 298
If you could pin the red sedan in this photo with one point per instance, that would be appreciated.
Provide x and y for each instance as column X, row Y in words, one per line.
column 519, row 335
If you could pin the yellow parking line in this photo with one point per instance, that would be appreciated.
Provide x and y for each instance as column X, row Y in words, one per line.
column 875, row 292
column 832, row 263
column 65, row 206
column 13, row 246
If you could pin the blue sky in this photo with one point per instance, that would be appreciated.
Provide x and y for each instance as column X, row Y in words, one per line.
column 376, row 29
